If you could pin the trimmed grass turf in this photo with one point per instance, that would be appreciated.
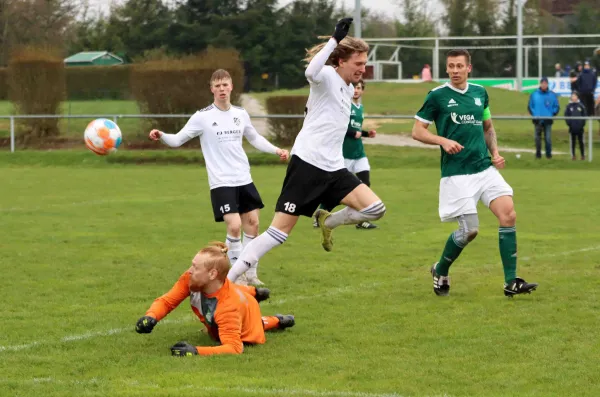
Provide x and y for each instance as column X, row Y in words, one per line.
column 89, row 242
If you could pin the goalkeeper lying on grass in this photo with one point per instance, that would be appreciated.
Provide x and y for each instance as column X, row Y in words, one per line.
column 229, row 311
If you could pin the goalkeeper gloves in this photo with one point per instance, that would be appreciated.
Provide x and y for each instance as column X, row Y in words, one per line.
column 182, row 349
column 145, row 324
column 341, row 29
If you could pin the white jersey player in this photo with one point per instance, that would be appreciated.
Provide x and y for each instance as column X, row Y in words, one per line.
column 316, row 173
column 220, row 128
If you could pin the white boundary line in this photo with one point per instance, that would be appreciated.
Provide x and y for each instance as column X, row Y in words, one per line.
column 115, row 331
column 592, row 248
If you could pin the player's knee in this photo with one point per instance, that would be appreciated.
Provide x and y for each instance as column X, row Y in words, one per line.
column 378, row 211
column 471, row 234
column 234, row 228
column 509, row 218
column 468, row 228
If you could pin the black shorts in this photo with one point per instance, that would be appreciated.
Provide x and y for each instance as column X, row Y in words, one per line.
column 305, row 187
column 234, row 200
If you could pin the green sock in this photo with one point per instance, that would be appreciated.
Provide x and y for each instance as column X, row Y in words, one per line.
column 451, row 252
column 508, row 251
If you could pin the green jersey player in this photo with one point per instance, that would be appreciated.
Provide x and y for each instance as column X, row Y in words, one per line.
column 466, row 136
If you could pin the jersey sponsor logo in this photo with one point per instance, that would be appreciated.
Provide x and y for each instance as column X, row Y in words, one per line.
column 355, row 124
column 452, row 103
column 478, row 101
column 464, row 119
column 236, row 121
column 229, row 132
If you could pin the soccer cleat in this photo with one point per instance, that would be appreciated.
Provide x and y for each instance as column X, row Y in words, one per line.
column 242, row 280
column 285, row 321
column 366, row 225
column 519, row 286
column 441, row 284
column 262, row 294
column 254, row 280
column 326, row 238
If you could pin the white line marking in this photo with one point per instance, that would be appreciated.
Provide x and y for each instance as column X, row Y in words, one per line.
column 592, row 248
column 114, row 331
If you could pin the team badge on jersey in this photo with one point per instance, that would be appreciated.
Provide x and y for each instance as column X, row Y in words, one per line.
column 236, row 121
column 478, row 101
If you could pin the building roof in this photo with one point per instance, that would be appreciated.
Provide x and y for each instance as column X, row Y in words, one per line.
column 89, row 56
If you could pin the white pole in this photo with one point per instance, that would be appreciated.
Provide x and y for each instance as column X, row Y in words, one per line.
column 357, row 21
column 540, row 49
column 519, row 45
column 526, row 61
column 590, row 138
column 12, row 134
column 436, row 60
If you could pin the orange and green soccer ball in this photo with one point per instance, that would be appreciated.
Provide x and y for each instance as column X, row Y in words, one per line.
column 102, row 136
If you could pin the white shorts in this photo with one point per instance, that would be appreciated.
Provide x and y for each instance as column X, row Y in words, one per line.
column 358, row 165
column 459, row 194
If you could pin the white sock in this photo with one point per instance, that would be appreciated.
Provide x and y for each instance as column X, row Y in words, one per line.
column 247, row 240
column 234, row 245
column 268, row 240
column 350, row 216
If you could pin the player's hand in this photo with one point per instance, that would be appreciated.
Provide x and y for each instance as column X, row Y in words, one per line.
column 342, row 28
column 498, row 161
column 452, row 147
column 155, row 135
column 145, row 325
column 372, row 134
column 357, row 135
column 283, row 154
column 182, row 349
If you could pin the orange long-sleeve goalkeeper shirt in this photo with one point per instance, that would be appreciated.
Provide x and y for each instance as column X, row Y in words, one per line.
column 231, row 315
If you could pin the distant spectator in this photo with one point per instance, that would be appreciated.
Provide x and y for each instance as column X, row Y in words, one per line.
column 543, row 103
column 426, row 73
column 587, row 81
column 574, row 75
column 558, row 71
column 576, row 127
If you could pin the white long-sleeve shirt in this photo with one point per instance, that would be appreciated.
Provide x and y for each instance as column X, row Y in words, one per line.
column 320, row 140
column 220, row 134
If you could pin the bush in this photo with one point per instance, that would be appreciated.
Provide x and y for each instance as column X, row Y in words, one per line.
column 286, row 130
column 181, row 85
column 3, row 84
column 36, row 86
column 98, row 82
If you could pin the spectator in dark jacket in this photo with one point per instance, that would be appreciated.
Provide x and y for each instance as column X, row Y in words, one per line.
column 543, row 103
column 574, row 75
column 587, row 81
column 576, row 109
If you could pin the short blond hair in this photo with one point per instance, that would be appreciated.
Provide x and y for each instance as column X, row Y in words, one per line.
column 344, row 50
column 215, row 257
column 219, row 74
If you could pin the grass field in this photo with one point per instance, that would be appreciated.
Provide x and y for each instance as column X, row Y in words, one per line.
column 87, row 243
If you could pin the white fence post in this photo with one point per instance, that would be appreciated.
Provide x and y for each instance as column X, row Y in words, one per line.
column 12, row 134
column 590, row 138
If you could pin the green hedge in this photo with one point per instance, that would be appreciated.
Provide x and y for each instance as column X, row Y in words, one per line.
column 181, row 86
column 286, row 130
column 98, row 82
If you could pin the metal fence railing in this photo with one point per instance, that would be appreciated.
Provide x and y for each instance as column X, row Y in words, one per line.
column 116, row 117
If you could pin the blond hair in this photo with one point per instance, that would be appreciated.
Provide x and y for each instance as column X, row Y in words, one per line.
column 344, row 50
column 215, row 257
column 219, row 74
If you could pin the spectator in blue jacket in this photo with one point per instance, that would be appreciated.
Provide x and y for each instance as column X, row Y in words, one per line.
column 586, row 82
column 543, row 103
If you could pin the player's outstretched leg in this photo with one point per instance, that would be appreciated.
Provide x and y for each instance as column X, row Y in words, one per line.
column 504, row 209
column 468, row 227
column 371, row 208
column 278, row 321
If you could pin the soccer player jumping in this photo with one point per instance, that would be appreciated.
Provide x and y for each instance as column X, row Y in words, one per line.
column 316, row 173
column 465, row 134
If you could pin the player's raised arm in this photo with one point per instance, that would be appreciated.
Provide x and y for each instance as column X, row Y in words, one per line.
column 319, row 55
column 192, row 129
column 164, row 305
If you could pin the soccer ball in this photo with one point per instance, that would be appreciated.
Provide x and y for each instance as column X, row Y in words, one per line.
column 102, row 136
